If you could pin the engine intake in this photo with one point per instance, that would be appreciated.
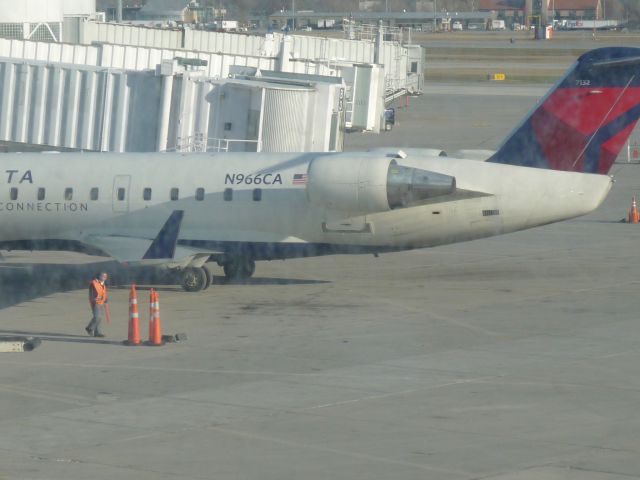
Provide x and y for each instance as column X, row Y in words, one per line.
column 367, row 184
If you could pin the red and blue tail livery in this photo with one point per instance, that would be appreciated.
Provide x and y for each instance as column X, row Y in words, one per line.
column 582, row 124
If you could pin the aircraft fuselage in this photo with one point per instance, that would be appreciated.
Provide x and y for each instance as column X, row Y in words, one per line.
column 265, row 202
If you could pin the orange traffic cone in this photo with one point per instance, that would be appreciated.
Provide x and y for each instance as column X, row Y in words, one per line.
column 155, row 330
column 634, row 216
column 134, row 320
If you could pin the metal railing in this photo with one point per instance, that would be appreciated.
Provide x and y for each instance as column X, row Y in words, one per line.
column 394, row 86
column 368, row 32
column 198, row 143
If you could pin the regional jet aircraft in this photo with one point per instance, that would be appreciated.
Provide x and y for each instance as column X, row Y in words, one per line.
column 183, row 210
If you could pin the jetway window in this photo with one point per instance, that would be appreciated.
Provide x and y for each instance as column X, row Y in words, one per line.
column 146, row 194
column 121, row 194
column 199, row 194
column 68, row 194
column 257, row 194
column 228, row 194
column 175, row 194
column 13, row 193
column 93, row 193
column 41, row 194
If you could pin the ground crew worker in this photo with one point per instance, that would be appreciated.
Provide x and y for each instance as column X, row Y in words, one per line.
column 98, row 299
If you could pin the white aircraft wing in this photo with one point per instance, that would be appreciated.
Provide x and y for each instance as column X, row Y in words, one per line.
column 163, row 249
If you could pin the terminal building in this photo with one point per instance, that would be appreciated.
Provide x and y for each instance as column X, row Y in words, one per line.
column 47, row 21
column 433, row 15
column 525, row 12
column 418, row 20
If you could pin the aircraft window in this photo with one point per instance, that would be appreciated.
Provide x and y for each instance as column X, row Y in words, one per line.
column 146, row 194
column 175, row 194
column 121, row 193
column 93, row 194
column 13, row 193
column 257, row 194
column 41, row 193
column 68, row 193
column 199, row 194
column 228, row 194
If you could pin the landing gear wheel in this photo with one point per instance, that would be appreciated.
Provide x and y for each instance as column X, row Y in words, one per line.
column 239, row 269
column 194, row 279
column 209, row 277
column 248, row 268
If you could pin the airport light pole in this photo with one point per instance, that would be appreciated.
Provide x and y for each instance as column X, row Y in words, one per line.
column 435, row 24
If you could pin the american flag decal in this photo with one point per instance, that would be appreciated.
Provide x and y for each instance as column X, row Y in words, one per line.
column 300, row 178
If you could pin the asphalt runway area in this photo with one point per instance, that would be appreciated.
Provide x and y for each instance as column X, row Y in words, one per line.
column 474, row 56
column 513, row 357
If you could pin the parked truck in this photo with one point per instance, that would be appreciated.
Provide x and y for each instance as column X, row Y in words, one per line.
column 326, row 23
column 587, row 25
column 223, row 26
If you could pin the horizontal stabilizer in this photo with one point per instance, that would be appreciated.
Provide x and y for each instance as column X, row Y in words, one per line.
column 618, row 62
column 459, row 194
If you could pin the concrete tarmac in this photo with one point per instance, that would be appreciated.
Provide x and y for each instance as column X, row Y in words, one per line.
column 454, row 116
column 514, row 357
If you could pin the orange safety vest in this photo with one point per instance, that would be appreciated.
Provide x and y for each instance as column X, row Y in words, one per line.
column 101, row 292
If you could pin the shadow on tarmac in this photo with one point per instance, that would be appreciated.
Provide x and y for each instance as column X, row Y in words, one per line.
column 22, row 282
column 266, row 281
column 60, row 337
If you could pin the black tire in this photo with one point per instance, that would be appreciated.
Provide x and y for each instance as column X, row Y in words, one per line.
column 248, row 268
column 239, row 268
column 230, row 270
column 209, row 277
column 193, row 279
column 31, row 343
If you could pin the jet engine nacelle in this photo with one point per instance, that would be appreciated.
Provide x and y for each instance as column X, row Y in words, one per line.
column 354, row 184
column 369, row 184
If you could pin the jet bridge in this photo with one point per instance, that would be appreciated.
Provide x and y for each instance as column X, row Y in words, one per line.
column 56, row 106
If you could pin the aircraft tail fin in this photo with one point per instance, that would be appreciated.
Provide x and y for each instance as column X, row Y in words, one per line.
column 585, row 120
